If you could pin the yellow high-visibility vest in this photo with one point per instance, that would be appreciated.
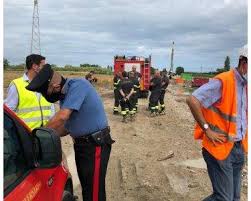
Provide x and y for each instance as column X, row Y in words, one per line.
column 34, row 111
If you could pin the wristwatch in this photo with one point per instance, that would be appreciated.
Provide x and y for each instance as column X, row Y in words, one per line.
column 205, row 126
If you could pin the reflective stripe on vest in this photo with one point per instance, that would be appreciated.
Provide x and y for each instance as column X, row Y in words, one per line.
column 224, row 116
column 34, row 111
column 221, row 118
column 31, row 109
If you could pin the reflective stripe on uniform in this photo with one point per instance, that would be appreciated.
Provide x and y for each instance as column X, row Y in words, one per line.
column 34, row 119
column 223, row 115
column 218, row 130
column 162, row 106
column 31, row 109
column 115, row 109
column 123, row 112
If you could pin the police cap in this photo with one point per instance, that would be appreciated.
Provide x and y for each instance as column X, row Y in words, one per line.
column 41, row 82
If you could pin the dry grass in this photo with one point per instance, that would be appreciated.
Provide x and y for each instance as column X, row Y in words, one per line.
column 104, row 81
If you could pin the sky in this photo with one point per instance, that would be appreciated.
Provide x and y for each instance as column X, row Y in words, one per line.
column 79, row 31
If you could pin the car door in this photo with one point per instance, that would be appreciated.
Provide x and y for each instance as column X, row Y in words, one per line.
column 21, row 180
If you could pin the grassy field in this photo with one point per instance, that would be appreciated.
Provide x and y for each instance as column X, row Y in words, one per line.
column 103, row 80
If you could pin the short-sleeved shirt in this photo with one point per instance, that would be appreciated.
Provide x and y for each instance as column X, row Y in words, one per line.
column 126, row 86
column 211, row 92
column 88, row 113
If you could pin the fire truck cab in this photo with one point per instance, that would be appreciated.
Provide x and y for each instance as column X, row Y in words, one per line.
column 34, row 168
column 143, row 66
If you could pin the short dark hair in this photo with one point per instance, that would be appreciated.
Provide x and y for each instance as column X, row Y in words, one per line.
column 33, row 59
column 124, row 74
column 242, row 59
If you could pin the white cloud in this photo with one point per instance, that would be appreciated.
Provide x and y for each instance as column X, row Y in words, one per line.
column 78, row 31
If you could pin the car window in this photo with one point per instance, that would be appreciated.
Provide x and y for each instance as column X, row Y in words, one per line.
column 15, row 165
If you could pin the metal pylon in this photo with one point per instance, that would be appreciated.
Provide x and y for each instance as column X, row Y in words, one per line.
column 35, row 37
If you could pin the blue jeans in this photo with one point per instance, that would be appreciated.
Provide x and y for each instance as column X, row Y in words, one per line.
column 225, row 175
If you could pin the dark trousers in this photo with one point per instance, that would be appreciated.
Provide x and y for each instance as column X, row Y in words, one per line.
column 91, row 161
column 161, row 99
column 225, row 175
column 126, row 104
column 134, row 101
column 153, row 100
column 116, row 100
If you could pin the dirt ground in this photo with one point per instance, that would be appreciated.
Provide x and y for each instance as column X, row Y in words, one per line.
column 138, row 168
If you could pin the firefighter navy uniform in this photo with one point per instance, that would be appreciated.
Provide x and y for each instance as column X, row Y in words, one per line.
column 155, row 88
column 164, row 84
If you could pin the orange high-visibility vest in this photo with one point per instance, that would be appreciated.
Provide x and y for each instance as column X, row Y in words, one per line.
column 221, row 118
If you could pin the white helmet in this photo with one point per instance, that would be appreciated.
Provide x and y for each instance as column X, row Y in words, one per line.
column 244, row 51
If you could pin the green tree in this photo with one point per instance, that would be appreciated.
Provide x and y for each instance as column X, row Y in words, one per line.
column 152, row 70
column 227, row 64
column 6, row 63
column 54, row 66
column 179, row 70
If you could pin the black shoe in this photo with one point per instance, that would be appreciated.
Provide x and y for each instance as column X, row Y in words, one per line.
column 115, row 112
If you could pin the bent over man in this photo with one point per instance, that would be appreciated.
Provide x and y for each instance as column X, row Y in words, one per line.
column 82, row 116
column 220, row 109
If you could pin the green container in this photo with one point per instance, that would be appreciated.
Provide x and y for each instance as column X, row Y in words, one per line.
column 187, row 76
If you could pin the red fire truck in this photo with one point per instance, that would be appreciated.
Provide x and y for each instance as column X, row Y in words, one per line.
column 34, row 168
column 143, row 66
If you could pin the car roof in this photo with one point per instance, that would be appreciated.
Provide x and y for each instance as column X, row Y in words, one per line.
column 14, row 116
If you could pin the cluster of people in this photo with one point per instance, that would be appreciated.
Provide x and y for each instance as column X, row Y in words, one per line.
column 81, row 115
column 158, row 86
column 126, row 93
column 127, row 89
column 219, row 108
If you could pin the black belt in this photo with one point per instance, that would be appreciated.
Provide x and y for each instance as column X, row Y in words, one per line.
column 98, row 137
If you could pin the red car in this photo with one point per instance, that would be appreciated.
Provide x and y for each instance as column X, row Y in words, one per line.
column 33, row 165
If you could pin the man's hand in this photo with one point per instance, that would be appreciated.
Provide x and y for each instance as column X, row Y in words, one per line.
column 215, row 137
column 58, row 120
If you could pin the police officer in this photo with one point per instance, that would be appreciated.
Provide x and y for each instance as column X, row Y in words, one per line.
column 81, row 115
column 31, row 107
column 116, row 82
column 164, row 84
column 155, row 88
column 126, row 90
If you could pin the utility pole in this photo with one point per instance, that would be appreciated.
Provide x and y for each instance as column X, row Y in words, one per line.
column 172, row 54
column 35, row 37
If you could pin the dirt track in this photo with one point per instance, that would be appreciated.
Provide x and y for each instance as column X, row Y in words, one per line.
column 138, row 170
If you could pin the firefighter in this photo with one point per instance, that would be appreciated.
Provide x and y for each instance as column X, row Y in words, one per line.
column 31, row 107
column 136, row 87
column 164, row 84
column 155, row 88
column 116, row 83
column 90, row 77
column 137, row 74
column 126, row 90
column 220, row 109
column 81, row 115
